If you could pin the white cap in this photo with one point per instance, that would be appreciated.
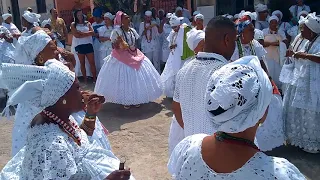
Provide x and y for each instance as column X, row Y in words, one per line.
column 5, row 16
column 236, row 16
column 178, row 9
column 277, row 12
column 274, row 17
column 169, row 15
column 261, row 7
column 46, row 22
column 31, row 17
column 109, row 15
column 194, row 37
column 199, row 16
column 148, row 13
column 174, row 21
column 312, row 21
column 303, row 12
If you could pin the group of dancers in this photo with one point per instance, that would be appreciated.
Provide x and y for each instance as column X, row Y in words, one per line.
column 236, row 91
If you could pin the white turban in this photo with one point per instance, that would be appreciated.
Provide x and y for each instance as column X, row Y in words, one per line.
column 169, row 15
column 274, row 13
column 194, row 37
column 312, row 22
column 246, row 13
column 174, row 21
column 199, row 16
column 5, row 16
column 261, row 7
column 195, row 13
column 28, row 47
column 238, row 94
column 31, row 17
column 46, row 22
column 178, row 9
column 148, row 13
column 109, row 15
column 38, row 86
column 236, row 16
column 302, row 12
column 274, row 17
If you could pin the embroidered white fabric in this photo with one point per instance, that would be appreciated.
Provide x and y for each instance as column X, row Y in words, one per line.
column 176, row 134
column 186, row 163
column 190, row 90
column 122, row 84
column 302, row 102
column 149, row 46
column 260, row 52
column 50, row 154
column 105, row 47
column 271, row 133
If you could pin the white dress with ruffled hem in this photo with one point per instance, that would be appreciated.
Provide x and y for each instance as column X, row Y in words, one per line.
column 122, row 84
column 186, row 163
column 50, row 154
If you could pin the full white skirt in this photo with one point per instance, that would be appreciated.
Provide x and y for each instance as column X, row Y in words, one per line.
column 122, row 84
column 271, row 133
column 176, row 134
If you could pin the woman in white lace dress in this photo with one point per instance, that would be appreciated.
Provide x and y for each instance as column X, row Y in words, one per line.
column 301, row 99
column 37, row 49
column 270, row 134
column 238, row 96
column 127, row 76
column 104, row 37
column 57, row 147
column 275, row 45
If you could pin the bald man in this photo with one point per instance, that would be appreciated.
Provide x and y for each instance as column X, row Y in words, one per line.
column 191, row 82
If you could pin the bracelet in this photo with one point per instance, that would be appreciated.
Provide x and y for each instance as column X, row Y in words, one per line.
column 89, row 116
column 86, row 128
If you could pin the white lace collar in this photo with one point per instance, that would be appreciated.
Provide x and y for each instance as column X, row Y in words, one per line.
column 204, row 55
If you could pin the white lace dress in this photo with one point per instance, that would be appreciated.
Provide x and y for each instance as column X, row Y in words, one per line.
column 97, row 46
column 174, row 62
column 191, row 85
column 186, row 163
column 105, row 48
column 50, row 154
column 302, row 101
column 24, row 115
column 271, row 133
column 122, row 84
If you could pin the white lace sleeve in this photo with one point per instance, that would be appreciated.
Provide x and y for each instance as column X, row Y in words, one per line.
column 48, row 156
column 176, row 95
column 178, row 156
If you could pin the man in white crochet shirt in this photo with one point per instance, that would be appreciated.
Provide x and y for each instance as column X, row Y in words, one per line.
column 191, row 82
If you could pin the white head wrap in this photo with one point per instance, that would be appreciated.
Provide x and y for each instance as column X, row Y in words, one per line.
column 5, row 16
column 31, row 17
column 38, row 86
column 178, row 9
column 194, row 37
column 195, row 13
column 258, row 34
column 229, row 16
column 28, row 47
column 238, row 94
column 236, row 16
column 109, row 15
column 274, row 17
column 312, row 22
column 246, row 13
column 148, row 13
column 302, row 12
column 261, row 7
column 254, row 16
column 169, row 15
column 46, row 22
column 199, row 16
column 174, row 21
column 274, row 13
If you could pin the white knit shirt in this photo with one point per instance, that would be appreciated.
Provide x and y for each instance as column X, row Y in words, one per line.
column 190, row 90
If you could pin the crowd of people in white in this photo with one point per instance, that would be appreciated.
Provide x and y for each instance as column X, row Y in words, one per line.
column 241, row 85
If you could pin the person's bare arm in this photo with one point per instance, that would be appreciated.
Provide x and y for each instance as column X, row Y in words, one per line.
column 65, row 31
column 311, row 57
column 177, row 113
column 75, row 32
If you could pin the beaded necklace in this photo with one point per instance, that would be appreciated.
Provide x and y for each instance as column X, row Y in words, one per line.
column 311, row 44
column 131, row 33
column 149, row 39
column 173, row 40
column 71, row 130
column 224, row 137
column 240, row 48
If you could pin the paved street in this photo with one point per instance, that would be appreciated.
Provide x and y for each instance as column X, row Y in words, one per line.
column 141, row 136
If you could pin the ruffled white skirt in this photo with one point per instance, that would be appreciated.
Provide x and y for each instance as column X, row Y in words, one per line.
column 122, row 84
column 271, row 133
column 176, row 134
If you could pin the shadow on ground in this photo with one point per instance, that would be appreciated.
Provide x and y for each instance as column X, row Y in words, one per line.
column 308, row 164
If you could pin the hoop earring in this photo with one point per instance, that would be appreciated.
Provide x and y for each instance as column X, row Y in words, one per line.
column 64, row 102
column 40, row 59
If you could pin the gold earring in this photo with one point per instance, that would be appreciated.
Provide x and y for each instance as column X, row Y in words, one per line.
column 64, row 102
column 40, row 59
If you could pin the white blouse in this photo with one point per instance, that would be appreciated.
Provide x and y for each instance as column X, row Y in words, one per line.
column 105, row 31
column 186, row 163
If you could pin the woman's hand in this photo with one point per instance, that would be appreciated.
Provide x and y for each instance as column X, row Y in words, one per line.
column 300, row 55
column 289, row 53
column 119, row 175
column 93, row 101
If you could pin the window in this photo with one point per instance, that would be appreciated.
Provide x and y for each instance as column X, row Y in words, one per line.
column 41, row 6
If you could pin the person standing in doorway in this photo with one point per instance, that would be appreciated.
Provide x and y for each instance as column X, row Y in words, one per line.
column 59, row 27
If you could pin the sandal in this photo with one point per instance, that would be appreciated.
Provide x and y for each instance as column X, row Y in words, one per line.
column 126, row 107
column 137, row 106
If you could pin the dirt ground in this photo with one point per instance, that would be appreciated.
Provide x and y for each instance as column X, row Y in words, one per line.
column 141, row 135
